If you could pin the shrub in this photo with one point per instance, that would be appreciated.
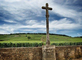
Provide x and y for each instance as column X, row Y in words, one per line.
column 3, row 45
column 29, row 37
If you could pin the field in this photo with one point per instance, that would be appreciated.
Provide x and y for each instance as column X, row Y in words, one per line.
column 37, row 38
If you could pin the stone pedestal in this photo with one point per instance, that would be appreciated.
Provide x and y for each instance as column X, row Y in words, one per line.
column 48, row 52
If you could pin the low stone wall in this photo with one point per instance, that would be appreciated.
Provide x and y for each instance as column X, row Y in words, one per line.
column 69, row 53
column 35, row 53
column 21, row 53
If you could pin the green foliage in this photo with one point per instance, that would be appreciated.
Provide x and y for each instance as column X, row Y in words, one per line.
column 67, row 44
column 4, row 45
column 29, row 37
column 36, row 38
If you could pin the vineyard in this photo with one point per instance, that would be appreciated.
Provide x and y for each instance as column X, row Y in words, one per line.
column 4, row 45
column 35, row 40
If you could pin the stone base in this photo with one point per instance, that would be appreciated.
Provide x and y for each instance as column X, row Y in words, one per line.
column 48, row 52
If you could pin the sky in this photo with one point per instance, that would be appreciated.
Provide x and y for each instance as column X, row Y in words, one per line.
column 27, row 16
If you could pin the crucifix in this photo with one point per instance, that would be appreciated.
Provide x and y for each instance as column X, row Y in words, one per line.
column 47, row 23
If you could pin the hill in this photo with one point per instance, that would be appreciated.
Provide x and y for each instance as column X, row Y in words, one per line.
column 36, row 38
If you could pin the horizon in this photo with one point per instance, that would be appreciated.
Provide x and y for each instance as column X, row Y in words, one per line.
column 41, row 33
column 18, row 16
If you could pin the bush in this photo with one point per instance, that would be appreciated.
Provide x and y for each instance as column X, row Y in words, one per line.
column 29, row 37
column 67, row 44
column 3, row 45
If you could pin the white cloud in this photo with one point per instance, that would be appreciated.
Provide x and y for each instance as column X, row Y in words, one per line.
column 10, row 21
column 4, row 32
column 79, row 34
column 24, row 9
column 27, row 30
column 64, row 24
column 54, row 25
column 31, row 22
column 66, row 12
column 35, row 22
column 12, row 0
column 28, row 9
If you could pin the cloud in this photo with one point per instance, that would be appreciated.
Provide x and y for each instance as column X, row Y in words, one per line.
column 12, row 0
column 66, row 12
column 64, row 24
column 23, row 9
column 27, row 9
column 4, row 32
column 79, row 34
column 10, row 21
column 33, row 22
column 28, row 14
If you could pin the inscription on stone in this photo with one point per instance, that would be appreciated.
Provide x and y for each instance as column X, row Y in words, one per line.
column 48, row 52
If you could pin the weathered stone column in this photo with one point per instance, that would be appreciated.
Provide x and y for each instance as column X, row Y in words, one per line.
column 48, row 52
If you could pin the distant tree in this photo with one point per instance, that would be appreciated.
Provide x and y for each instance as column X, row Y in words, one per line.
column 11, row 34
column 29, row 37
column 80, row 36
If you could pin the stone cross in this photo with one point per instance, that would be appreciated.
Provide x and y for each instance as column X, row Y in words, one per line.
column 47, row 23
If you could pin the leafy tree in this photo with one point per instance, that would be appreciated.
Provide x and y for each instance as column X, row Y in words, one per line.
column 29, row 37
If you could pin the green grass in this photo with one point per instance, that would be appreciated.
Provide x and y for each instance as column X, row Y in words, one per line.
column 36, row 38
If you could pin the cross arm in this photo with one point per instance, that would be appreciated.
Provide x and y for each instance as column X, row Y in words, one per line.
column 50, row 8
column 43, row 7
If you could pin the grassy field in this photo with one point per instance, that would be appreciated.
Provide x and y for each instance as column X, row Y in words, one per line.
column 36, row 38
